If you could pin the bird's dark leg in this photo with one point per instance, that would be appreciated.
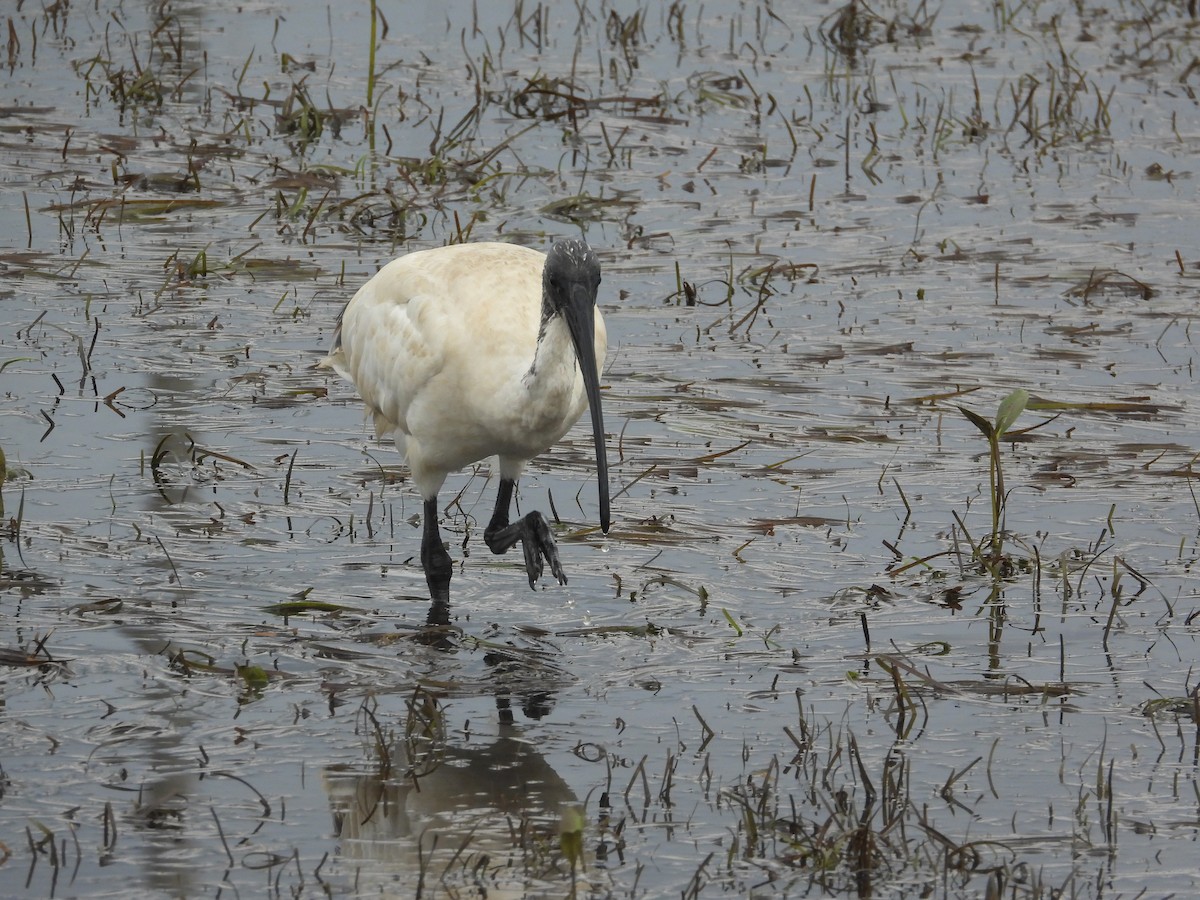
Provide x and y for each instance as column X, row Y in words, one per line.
column 531, row 530
column 434, row 558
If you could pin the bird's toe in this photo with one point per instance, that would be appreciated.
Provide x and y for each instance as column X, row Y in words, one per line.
column 539, row 544
column 533, row 561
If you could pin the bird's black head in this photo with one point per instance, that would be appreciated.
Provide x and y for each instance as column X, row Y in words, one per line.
column 571, row 268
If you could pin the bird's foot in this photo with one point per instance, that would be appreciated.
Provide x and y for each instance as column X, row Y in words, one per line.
column 439, row 615
column 436, row 562
column 537, row 542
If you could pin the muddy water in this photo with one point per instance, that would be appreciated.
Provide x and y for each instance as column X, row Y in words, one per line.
column 786, row 669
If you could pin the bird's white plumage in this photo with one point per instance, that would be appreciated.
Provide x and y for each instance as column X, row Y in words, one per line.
column 443, row 347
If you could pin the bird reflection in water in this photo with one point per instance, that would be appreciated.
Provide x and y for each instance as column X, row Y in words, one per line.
column 486, row 816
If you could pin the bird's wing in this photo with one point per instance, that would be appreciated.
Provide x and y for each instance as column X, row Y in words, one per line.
column 383, row 346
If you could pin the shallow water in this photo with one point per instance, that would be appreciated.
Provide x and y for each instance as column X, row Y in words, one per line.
column 784, row 671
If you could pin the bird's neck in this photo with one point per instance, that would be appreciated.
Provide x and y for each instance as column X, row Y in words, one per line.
column 554, row 360
column 548, row 316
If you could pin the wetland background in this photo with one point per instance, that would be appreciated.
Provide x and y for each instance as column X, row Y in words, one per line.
column 805, row 662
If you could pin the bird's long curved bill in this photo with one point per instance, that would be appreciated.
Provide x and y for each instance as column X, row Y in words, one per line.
column 581, row 321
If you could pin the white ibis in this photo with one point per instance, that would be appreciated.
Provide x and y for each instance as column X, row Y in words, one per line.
column 477, row 350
